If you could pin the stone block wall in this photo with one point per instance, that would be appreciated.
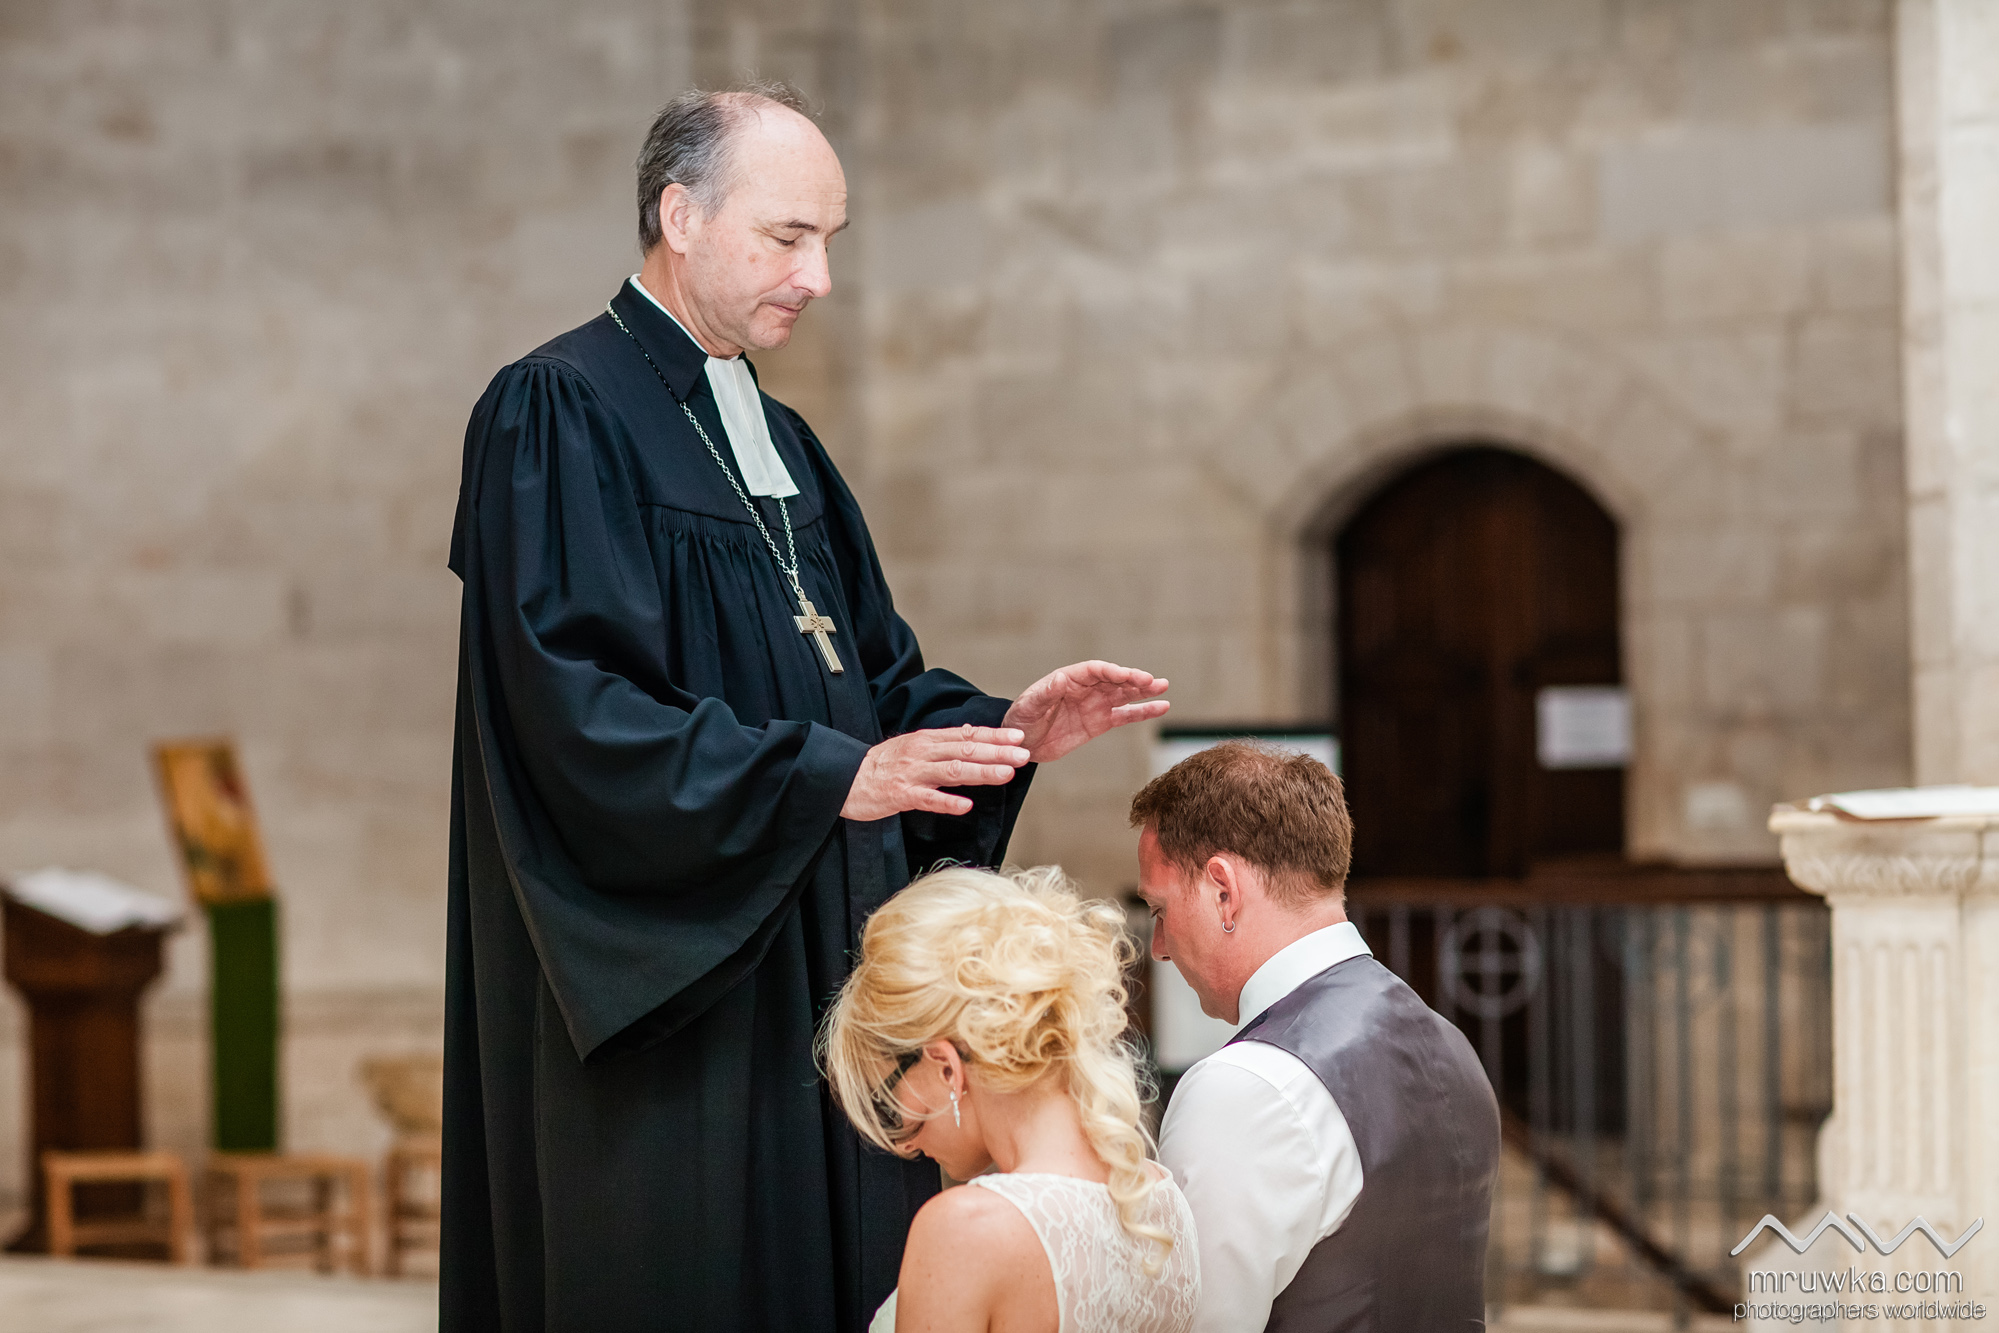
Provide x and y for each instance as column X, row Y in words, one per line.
column 1949, row 128
column 1140, row 300
column 1155, row 293
column 256, row 264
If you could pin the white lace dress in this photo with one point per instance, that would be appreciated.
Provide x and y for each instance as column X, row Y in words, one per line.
column 1100, row 1280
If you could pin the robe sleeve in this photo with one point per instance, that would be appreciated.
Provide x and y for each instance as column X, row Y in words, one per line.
column 650, row 838
column 909, row 697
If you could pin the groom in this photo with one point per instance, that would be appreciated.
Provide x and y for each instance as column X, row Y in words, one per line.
column 1339, row 1153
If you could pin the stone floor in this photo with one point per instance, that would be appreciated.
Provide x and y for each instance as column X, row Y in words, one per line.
column 96, row 1296
column 93, row 1296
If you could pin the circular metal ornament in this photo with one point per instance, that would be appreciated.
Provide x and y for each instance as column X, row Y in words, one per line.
column 1489, row 962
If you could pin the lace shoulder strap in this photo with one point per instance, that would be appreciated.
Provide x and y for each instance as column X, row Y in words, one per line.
column 1058, row 1212
column 1101, row 1285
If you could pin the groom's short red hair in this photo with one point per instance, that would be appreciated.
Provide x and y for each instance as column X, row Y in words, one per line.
column 1285, row 814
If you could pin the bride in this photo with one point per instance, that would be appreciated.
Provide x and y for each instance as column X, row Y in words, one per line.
column 983, row 1028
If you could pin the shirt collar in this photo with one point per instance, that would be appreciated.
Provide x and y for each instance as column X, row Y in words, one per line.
column 671, row 347
column 1297, row 963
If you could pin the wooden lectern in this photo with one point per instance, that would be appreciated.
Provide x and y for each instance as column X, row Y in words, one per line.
column 83, row 1023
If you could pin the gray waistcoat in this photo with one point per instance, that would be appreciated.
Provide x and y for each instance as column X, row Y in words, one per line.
column 1410, row 1258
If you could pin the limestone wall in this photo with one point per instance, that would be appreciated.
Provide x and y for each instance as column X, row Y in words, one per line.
column 1162, row 289
column 1949, row 116
column 1138, row 298
column 256, row 263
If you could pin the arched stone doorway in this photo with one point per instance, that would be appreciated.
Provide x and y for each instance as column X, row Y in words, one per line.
column 1468, row 591
column 1469, row 587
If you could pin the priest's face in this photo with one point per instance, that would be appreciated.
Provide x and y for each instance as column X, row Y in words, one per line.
column 1187, row 928
column 745, row 273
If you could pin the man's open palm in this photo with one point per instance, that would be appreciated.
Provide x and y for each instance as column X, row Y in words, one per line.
column 1079, row 703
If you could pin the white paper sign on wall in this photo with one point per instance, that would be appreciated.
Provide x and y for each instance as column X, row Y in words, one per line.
column 1177, row 743
column 1181, row 1034
column 1583, row 726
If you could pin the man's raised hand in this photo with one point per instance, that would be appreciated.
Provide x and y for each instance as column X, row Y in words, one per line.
column 1080, row 703
column 905, row 772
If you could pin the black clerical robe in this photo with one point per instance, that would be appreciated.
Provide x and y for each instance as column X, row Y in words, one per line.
column 653, row 895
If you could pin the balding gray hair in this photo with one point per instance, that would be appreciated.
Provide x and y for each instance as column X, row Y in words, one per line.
column 690, row 144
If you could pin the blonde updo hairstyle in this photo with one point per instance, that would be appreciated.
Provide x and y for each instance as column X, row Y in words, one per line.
column 1026, row 979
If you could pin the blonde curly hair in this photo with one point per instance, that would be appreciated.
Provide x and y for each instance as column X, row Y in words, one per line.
column 1026, row 978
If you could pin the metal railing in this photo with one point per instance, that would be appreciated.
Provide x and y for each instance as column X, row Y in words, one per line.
column 1662, row 1067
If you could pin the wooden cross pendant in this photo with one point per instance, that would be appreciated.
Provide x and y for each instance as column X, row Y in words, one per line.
column 821, row 629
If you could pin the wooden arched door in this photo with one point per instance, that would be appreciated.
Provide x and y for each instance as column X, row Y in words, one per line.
column 1467, row 586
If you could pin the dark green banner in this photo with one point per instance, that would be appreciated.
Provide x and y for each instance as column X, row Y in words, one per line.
column 243, row 1020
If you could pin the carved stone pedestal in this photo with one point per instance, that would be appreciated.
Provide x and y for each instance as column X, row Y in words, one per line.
column 1915, row 1125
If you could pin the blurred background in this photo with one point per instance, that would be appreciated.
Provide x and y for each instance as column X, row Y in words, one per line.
column 1444, row 376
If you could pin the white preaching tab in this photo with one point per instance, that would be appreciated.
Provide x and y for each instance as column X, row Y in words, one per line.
column 764, row 473
column 742, row 410
column 90, row 901
column 1583, row 726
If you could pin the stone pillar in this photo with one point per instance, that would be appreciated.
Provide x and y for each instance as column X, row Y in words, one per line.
column 1947, row 75
column 1915, row 972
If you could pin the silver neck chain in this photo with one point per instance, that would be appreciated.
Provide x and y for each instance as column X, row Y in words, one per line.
column 789, row 571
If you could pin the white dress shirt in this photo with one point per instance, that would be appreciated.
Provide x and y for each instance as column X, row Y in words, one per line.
column 735, row 390
column 1262, row 1150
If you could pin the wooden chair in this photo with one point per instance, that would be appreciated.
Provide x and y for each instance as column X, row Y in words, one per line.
column 246, row 1227
column 409, row 1092
column 416, row 1177
column 63, row 1171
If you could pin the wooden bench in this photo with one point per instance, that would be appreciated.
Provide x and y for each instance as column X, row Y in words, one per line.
column 247, row 1228
column 67, row 1233
column 415, row 1170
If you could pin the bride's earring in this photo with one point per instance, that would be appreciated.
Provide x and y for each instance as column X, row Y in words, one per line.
column 957, row 1118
